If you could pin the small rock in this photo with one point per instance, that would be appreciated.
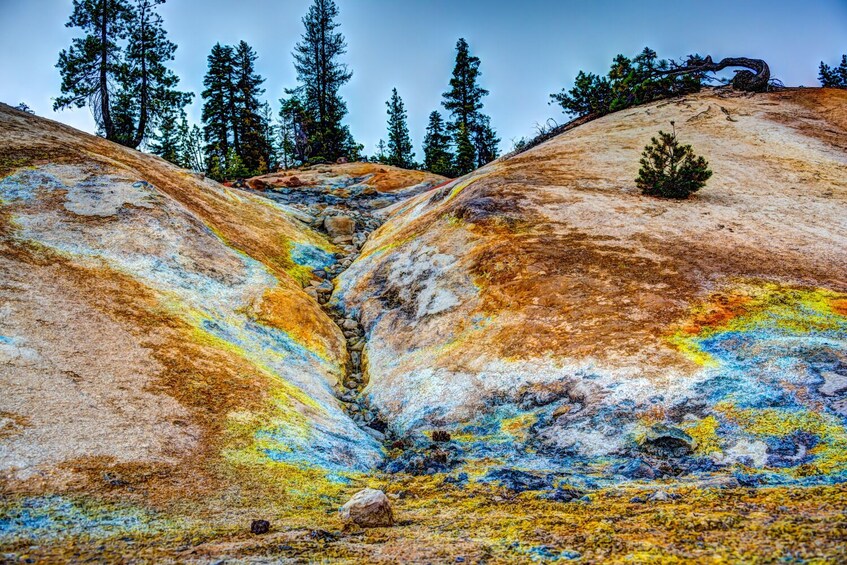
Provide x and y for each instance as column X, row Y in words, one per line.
column 440, row 436
column 257, row 184
column 340, row 226
column 562, row 495
column 667, row 441
column 662, row 496
column 369, row 508
column 350, row 324
column 260, row 527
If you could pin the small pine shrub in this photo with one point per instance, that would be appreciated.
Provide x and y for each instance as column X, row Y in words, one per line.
column 671, row 170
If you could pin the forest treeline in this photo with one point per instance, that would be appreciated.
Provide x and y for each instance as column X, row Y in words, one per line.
column 119, row 68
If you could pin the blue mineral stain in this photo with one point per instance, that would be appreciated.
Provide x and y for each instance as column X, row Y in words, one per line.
column 22, row 185
column 51, row 517
column 319, row 448
column 309, row 255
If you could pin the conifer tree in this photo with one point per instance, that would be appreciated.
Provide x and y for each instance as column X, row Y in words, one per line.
column 127, row 84
column 293, row 132
column 146, row 79
column 247, row 124
column 217, row 108
column 269, row 135
column 670, row 169
column 485, row 142
column 192, row 155
column 436, row 146
column 464, row 99
column 834, row 77
column 465, row 152
column 89, row 68
column 381, row 156
column 464, row 102
column 400, row 153
column 321, row 75
column 166, row 141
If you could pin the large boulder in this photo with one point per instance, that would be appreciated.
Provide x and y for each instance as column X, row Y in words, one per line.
column 368, row 508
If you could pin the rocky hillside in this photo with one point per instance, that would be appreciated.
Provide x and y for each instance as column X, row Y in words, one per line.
column 533, row 362
column 155, row 330
column 551, row 318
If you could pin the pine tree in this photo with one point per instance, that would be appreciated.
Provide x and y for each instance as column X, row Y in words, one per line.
column 192, row 154
column 89, row 68
column 247, row 124
column 671, row 170
column 465, row 153
column 128, row 85
column 834, row 77
column 321, row 75
column 294, row 126
column 400, row 152
column 217, row 108
column 468, row 124
column 150, row 85
column 381, row 156
column 166, row 141
column 485, row 142
column 464, row 99
column 269, row 135
column 437, row 156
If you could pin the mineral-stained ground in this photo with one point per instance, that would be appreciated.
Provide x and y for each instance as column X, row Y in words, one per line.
column 535, row 362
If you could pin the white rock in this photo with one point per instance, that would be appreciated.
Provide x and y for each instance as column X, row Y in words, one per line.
column 368, row 508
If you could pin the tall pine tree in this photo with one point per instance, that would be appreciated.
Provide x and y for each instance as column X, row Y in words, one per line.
column 146, row 78
column 400, row 153
column 127, row 84
column 217, row 108
column 468, row 124
column 89, row 68
column 437, row 156
column 321, row 75
column 247, row 123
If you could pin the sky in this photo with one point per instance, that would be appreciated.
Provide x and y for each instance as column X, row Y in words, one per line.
column 528, row 48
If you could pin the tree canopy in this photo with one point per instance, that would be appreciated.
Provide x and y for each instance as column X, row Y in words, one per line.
column 119, row 68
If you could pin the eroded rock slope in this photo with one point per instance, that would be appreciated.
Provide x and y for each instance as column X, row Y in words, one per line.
column 551, row 318
column 154, row 329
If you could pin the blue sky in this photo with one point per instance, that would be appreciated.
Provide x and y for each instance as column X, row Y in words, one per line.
column 529, row 48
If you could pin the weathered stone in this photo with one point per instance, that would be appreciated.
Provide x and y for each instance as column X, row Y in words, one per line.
column 833, row 383
column 667, row 441
column 339, row 226
column 369, row 508
column 260, row 527
column 440, row 435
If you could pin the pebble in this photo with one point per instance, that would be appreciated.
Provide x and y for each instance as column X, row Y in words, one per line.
column 260, row 527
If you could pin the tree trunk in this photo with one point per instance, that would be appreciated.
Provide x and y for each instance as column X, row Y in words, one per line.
column 105, row 112
column 746, row 80
column 142, row 115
